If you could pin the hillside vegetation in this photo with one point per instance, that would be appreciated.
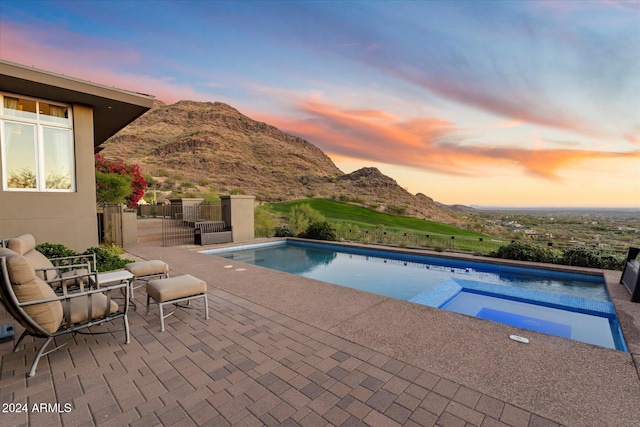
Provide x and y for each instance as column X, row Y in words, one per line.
column 337, row 212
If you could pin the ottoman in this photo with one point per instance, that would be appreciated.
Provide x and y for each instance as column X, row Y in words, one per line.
column 174, row 290
column 145, row 271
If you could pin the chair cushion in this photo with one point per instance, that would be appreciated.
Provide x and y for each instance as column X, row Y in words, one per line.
column 25, row 245
column 147, row 268
column 7, row 252
column 162, row 290
column 28, row 287
column 79, row 311
column 22, row 244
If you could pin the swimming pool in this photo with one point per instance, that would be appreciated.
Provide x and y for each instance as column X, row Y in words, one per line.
column 575, row 306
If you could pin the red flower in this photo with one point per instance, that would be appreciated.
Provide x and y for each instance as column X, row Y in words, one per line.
column 117, row 166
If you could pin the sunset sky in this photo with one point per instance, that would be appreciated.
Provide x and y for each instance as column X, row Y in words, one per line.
column 510, row 103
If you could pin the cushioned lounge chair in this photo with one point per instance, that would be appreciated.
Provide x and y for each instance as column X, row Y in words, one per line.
column 54, row 271
column 44, row 314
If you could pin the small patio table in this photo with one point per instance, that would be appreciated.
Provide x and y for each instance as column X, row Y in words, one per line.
column 115, row 277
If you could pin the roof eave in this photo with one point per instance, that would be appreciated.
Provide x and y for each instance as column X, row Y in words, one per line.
column 113, row 108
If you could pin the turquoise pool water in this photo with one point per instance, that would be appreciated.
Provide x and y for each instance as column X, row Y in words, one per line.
column 541, row 300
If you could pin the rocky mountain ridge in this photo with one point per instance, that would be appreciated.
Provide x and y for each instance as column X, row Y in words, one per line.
column 193, row 147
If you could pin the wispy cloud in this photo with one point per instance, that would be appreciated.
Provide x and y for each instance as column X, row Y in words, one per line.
column 111, row 64
column 427, row 143
column 518, row 63
column 509, row 123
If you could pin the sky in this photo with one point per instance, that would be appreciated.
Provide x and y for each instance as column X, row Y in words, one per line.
column 492, row 103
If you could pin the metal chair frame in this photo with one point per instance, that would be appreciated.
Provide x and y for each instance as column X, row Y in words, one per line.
column 9, row 300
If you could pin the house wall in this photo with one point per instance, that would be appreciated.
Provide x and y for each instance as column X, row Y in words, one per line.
column 65, row 218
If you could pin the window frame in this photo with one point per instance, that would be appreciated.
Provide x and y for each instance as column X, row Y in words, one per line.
column 40, row 160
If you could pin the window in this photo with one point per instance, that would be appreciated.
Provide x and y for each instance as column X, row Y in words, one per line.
column 36, row 138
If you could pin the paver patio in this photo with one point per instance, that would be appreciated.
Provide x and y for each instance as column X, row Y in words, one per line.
column 282, row 350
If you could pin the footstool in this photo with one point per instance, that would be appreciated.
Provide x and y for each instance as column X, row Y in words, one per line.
column 174, row 290
column 145, row 271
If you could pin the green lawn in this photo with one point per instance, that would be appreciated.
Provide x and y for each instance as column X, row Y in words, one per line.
column 338, row 212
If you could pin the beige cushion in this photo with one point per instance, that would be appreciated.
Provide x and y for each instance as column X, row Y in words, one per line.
column 147, row 268
column 7, row 252
column 163, row 290
column 22, row 244
column 25, row 245
column 79, row 308
column 27, row 287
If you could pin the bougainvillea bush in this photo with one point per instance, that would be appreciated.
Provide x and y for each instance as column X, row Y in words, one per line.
column 118, row 167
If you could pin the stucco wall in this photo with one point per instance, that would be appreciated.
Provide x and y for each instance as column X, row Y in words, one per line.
column 238, row 213
column 66, row 218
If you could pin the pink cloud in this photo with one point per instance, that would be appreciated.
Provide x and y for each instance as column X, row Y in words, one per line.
column 521, row 107
column 428, row 143
column 87, row 59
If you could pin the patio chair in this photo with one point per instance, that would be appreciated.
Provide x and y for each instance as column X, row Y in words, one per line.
column 631, row 274
column 53, row 271
column 44, row 314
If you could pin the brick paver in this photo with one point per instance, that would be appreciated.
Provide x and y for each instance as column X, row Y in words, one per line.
column 242, row 367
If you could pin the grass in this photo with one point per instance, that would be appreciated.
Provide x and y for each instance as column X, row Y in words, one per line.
column 338, row 212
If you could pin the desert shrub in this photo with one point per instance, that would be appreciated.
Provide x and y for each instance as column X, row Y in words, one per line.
column 263, row 222
column 210, row 196
column 321, row 230
column 284, row 231
column 108, row 257
column 55, row 250
column 350, row 199
column 613, row 262
column 111, row 187
column 151, row 181
column 522, row 251
column 345, row 227
column 582, row 256
column 301, row 216
column 395, row 209
column 168, row 184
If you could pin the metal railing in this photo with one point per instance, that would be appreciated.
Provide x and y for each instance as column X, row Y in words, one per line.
column 178, row 221
column 427, row 241
column 482, row 245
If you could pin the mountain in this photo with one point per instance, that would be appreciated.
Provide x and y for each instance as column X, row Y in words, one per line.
column 194, row 147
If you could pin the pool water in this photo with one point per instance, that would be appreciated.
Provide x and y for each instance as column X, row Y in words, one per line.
column 551, row 302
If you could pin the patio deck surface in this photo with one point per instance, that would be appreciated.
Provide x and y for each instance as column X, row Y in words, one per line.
column 284, row 350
